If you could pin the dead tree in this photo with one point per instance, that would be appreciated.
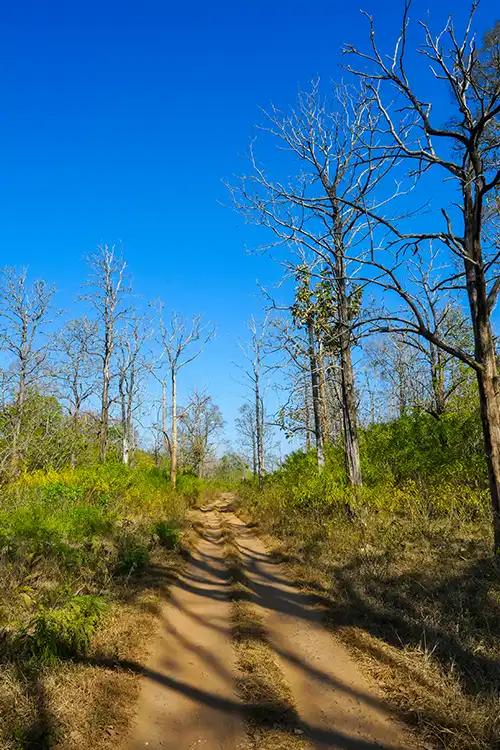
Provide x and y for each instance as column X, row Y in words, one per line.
column 75, row 368
column 201, row 420
column 323, row 141
column 132, row 367
column 254, row 354
column 181, row 342
column 245, row 425
column 23, row 314
column 465, row 152
column 107, row 298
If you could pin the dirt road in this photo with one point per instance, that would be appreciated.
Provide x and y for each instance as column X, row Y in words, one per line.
column 188, row 697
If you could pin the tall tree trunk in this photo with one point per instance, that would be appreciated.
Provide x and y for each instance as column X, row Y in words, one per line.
column 104, row 426
column 323, row 401
column 124, row 421
column 307, row 413
column 485, row 352
column 75, row 420
column 437, row 381
column 490, row 419
column 254, row 456
column 259, row 428
column 125, row 448
column 164, row 430
column 347, row 387
column 349, row 417
column 173, row 446
column 316, row 395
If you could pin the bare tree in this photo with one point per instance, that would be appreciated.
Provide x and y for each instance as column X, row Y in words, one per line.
column 181, row 343
column 201, row 420
column 464, row 150
column 132, row 367
column 107, row 298
column 75, row 369
column 23, row 315
column 309, row 211
column 245, row 424
column 400, row 369
column 254, row 355
column 294, row 415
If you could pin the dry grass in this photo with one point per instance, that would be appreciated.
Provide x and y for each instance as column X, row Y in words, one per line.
column 419, row 604
column 272, row 721
column 87, row 703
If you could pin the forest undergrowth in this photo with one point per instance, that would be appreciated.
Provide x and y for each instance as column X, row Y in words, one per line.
column 84, row 556
column 405, row 564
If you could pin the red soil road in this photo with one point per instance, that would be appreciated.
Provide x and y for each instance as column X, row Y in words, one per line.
column 188, row 699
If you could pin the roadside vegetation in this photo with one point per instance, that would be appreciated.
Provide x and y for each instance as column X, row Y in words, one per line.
column 84, row 555
column 91, row 523
column 405, row 563
column 378, row 197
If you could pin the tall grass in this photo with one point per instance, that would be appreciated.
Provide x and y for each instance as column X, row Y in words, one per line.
column 74, row 552
column 68, row 534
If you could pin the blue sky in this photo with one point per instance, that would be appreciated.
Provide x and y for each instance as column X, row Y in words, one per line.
column 119, row 121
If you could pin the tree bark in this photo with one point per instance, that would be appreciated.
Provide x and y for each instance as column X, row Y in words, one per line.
column 325, row 427
column 307, row 415
column 259, row 428
column 490, row 419
column 437, row 381
column 173, row 446
column 484, row 347
column 104, row 427
column 254, row 456
column 316, row 395
column 351, row 453
column 348, row 394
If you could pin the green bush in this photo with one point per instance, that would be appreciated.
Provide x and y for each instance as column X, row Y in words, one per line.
column 67, row 531
column 189, row 486
column 64, row 631
column 133, row 555
column 167, row 533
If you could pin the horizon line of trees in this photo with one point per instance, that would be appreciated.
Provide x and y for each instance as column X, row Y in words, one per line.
column 77, row 393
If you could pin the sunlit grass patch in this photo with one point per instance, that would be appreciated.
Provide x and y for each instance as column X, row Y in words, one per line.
column 75, row 554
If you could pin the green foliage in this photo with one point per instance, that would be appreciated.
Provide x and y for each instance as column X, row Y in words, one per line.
column 189, row 486
column 414, row 466
column 133, row 555
column 64, row 631
column 419, row 447
column 167, row 533
column 71, row 531
column 406, row 560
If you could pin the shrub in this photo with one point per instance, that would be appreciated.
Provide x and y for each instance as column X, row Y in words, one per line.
column 167, row 533
column 133, row 555
column 64, row 631
column 189, row 486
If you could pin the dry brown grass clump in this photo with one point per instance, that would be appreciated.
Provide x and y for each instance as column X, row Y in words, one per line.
column 87, row 702
column 418, row 600
column 271, row 715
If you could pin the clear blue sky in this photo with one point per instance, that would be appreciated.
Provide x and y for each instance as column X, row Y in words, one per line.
column 119, row 120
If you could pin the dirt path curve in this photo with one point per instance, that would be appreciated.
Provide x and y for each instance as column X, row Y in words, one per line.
column 188, row 699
